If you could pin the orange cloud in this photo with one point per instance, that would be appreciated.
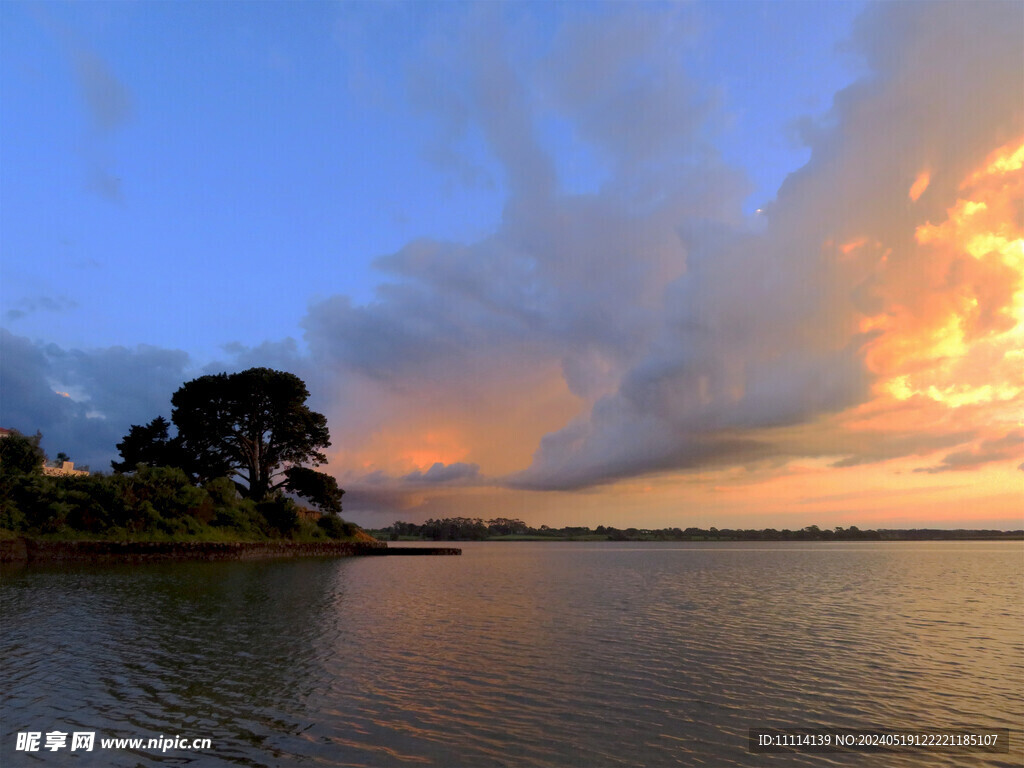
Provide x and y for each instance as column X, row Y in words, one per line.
column 495, row 423
column 858, row 353
column 952, row 329
column 920, row 185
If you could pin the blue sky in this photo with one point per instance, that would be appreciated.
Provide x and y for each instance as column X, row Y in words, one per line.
column 191, row 175
column 669, row 263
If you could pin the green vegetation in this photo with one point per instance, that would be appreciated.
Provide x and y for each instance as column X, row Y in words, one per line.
column 21, row 454
column 153, row 504
column 503, row 529
column 253, row 427
column 241, row 443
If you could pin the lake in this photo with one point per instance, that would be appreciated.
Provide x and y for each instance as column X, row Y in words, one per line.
column 518, row 654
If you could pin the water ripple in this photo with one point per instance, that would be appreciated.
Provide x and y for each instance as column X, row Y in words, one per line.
column 520, row 655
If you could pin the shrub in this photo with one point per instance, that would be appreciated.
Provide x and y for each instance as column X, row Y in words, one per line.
column 222, row 492
column 11, row 518
column 335, row 527
column 21, row 455
column 281, row 515
column 96, row 502
column 168, row 489
column 242, row 517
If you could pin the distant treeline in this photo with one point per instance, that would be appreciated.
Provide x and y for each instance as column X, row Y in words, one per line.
column 476, row 529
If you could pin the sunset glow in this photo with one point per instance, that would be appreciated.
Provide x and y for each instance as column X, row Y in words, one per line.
column 960, row 344
column 455, row 383
column 572, row 263
column 920, row 185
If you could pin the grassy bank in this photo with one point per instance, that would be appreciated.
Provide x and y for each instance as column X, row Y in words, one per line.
column 204, row 535
column 155, row 504
column 30, row 551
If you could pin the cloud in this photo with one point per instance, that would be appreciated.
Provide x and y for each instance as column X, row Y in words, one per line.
column 108, row 102
column 445, row 473
column 467, row 83
column 875, row 447
column 105, row 183
column 28, row 306
column 83, row 401
column 763, row 330
column 505, row 339
column 1005, row 448
column 621, row 82
column 646, row 325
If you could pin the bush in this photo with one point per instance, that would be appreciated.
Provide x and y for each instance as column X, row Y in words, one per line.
column 146, row 517
column 241, row 517
column 222, row 492
column 55, row 517
column 96, row 502
column 11, row 518
column 158, row 501
column 180, row 526
column 335, row 527
column 281, row 515
column 34, row 495
column 168, row 489
column 21, row 455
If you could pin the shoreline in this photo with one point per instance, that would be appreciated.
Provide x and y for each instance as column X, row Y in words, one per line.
column 26, row 550
column 1012, row 536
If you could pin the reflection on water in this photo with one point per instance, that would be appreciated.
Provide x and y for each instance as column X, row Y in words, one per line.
column 519, row 654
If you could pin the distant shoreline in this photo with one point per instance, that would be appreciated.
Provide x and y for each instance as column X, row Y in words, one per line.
column 28, row 550
column 884, row 536
column 508, row 529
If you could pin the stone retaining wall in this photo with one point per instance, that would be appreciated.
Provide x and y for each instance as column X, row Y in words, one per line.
column 27, row 550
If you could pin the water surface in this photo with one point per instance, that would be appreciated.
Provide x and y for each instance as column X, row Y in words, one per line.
column 519, row 654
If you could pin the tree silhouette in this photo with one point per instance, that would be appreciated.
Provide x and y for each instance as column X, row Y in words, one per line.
column 148, row 445
column 20, row 454
column 257, row 427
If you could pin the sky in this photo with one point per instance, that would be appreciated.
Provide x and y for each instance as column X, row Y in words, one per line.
column 740, row 264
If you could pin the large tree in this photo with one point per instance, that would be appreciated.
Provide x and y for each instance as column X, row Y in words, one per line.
column 149, row 445
column 20, row 454
column 256, row 426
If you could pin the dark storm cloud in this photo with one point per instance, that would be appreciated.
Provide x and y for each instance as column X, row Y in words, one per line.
column 83, row 401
